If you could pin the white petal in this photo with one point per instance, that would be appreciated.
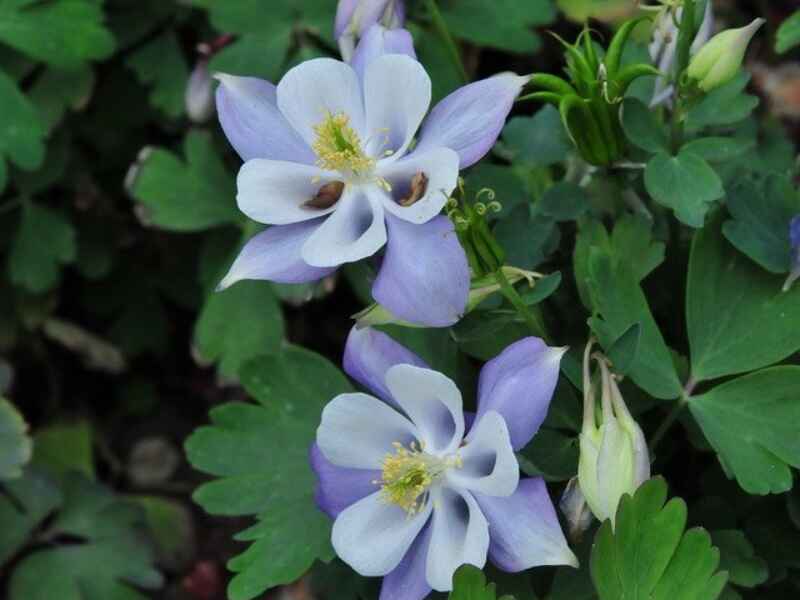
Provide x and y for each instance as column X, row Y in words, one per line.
column 355, row 230
column 312, row 90
column 397, row 94
column 275, row 192
column 460, row 535
column 439, row 165
column 372, row 535
column 358, row 431
column 489, row 465
column 432, row 402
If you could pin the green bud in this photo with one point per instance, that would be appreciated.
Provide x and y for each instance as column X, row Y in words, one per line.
column 613, row 451
column 721, row 58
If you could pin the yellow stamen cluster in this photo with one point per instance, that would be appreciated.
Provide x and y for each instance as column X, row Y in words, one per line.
column 406, row 476
column 338, row 147
column 408, row 473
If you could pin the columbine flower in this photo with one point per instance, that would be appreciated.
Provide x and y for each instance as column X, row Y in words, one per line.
column 355, row 17
column 794, row 241
column 328, row 163
column 613, row 451
column 416, row 487
column 720, row 59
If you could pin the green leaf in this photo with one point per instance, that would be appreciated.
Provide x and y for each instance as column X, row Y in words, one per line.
column 542, row 289
column 15, row 444
column 255, row 55
column 527, row 239
column 550, row 454
column 62, row 33
column 21, row 130
column 111, row 535
column 172, row 528
column 293, row 382
column 159, row 64
column 788, row 35
column 260, row 454
column 760, row 225
column 620, row 302
column 45, row 241
column 540, row 140
column 725, row 105
column 185, row 196
column 752, row 424
column 564, row 201
column 739, row 559
column 738, row 319
column 719, row 149
column 237, row 324
column 59, row 90
column 64, row 448
column 24, row 504
column 685, row 183
column 642, row 128
column 622, row 353
column 477, row 21
column 631, row 241
column 469, row 583
column 650, row 556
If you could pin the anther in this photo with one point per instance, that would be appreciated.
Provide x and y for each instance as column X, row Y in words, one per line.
column 419, row 185
column 327, row 195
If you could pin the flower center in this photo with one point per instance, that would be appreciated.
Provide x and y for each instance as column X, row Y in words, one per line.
column 338, row 147
column 407, row 475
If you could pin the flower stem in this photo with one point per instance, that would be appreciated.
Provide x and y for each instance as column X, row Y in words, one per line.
column 443, row 32
column 534, row 322
column 673, row 415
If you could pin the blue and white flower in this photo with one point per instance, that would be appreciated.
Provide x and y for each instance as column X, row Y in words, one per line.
column 416, row 487
column 329, row 163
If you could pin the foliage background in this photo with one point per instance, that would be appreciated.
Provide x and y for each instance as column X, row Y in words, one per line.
column 117, row 218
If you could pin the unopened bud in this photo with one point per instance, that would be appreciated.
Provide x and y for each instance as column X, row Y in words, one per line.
column 199, row 96
column 355, row 17
column 613, row 451
column 720, row 59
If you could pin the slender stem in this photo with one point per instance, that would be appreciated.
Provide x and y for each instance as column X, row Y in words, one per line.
column 685, row 39
column 534, row 323
column 673, row 415
column 444, row 33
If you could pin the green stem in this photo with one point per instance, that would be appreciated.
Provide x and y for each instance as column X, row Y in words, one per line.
column 443, row 32
column 685, row 39
column 673, row 415
column 534, row 323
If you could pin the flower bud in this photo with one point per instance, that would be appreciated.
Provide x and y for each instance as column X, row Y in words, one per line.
column 794, row 241
column 199, row 96
column 355, row 17
column 721, row 58
column 613, row 451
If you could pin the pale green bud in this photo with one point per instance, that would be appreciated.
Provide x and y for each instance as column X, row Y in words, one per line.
column 720, row 59
column 613, row 451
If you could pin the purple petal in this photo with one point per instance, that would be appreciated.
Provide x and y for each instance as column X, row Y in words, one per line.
column 519, row 384
column 274, row 255
column 794, row 232
column 379, row 41
column 424, row 278
column 344, row 14
column 470, row 119
column 524, row 531
column 369, row 353
column 408, row 581
column 253, row 124
column 339, row 487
